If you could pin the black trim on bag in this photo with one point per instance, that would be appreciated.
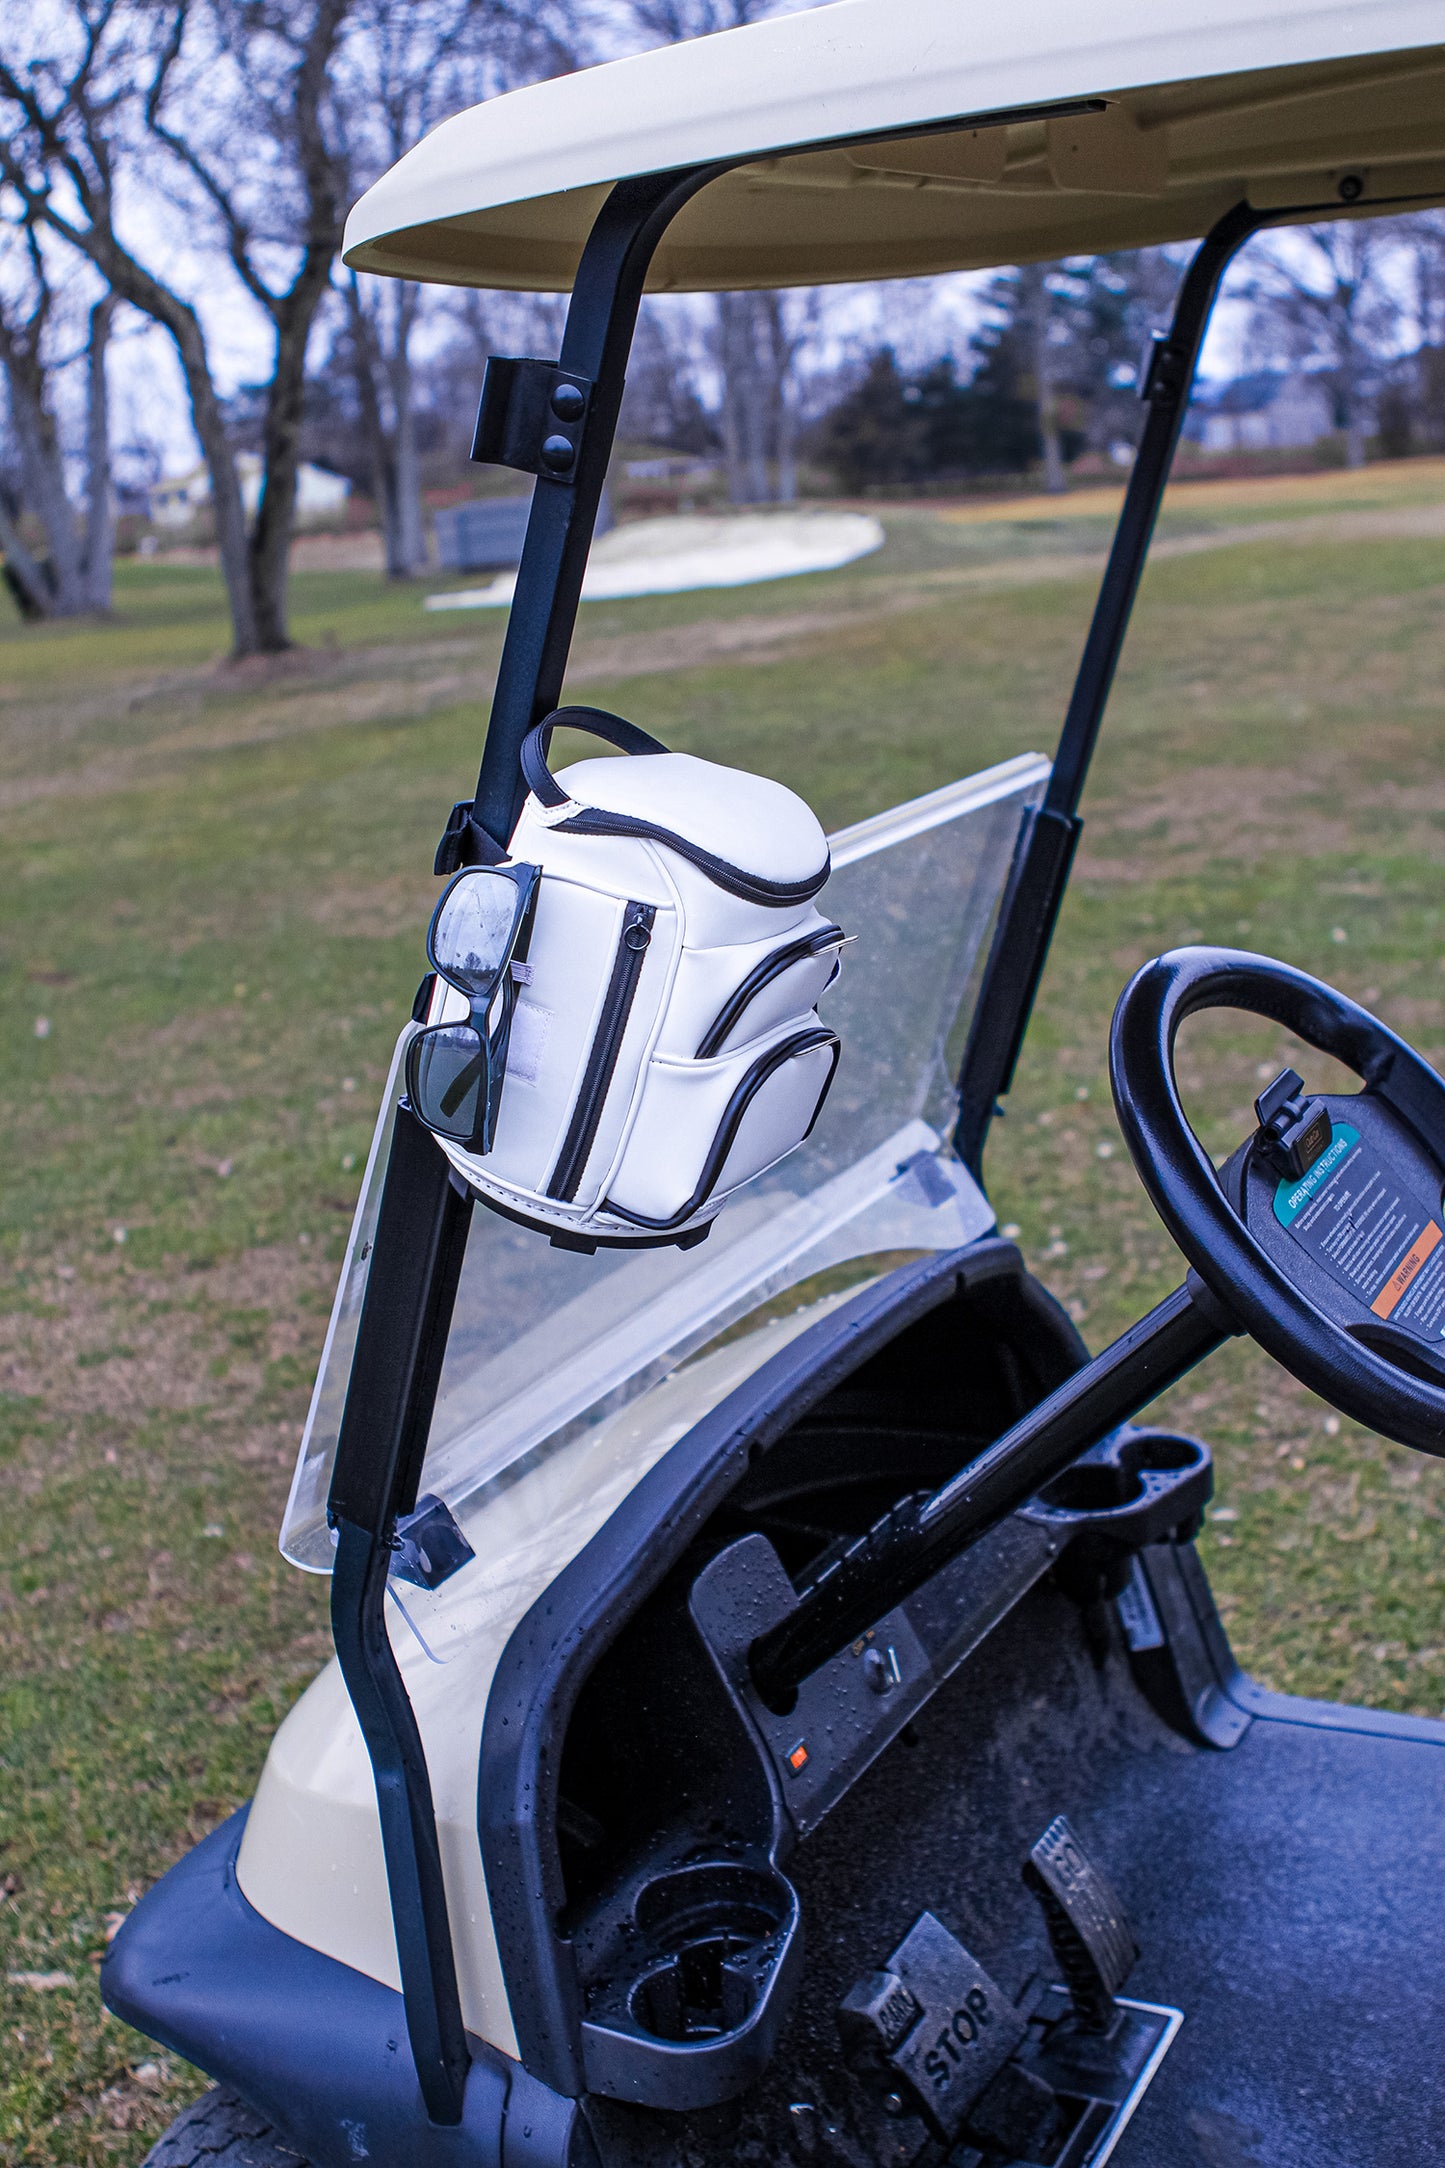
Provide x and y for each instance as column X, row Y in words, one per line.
column 743, row 1096
column 602, row 1057
column 615, row 730
column 762, row 974
column 587, row 1245
column 752, row 887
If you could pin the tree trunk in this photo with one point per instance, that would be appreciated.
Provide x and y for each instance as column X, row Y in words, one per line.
column 364, row 370
column 269, row 559
column 757, row 403
column 744, row 417
column 406, row 542
column 730, row 361
column 787, row 483
column 100, row 501
column 1347, row 400
column 227, row 507
column 269, row 556
column 405, row 535
column 42, row 477
column 131, row 282
column 781, row 351
column 1045, row 393
column 24, row 574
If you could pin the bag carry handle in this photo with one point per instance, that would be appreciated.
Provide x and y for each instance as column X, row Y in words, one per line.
column 598, row 723
column 589, row 821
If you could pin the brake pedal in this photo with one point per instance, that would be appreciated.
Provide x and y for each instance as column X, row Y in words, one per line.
column 928, row 2032
column 1049, row 2082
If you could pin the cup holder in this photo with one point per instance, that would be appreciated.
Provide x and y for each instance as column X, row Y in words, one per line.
column 1095, row 1488
column 1132, row 1473
column 716, row 1931
column 1161, row 1452
column 705, row 1990
column 1119, row 1476
column 697, row 1985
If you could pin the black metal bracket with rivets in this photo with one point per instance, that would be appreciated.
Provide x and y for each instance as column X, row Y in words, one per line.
column 532, row 416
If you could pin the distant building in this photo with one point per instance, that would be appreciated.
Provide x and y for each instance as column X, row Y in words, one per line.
column 1264, row 410
column 175, row 501
column 670, row 467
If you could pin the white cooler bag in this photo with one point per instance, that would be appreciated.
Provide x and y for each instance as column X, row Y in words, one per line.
column 663, row 1046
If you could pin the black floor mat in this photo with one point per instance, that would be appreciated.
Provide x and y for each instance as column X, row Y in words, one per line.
column 1290, row 1899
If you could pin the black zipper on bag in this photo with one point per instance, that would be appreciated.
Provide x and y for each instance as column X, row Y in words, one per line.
column 606, row 1046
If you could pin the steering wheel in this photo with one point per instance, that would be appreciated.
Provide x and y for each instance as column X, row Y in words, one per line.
column 1336, row 1266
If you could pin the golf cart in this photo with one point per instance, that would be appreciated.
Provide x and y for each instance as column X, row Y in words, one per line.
column 778, row 1708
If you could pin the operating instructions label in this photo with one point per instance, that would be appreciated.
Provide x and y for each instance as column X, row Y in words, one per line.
column 1371, row 1232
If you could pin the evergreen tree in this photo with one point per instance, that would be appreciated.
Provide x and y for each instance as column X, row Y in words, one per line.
column 877, row 434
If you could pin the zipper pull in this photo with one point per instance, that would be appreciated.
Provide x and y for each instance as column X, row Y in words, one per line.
column 637, row 933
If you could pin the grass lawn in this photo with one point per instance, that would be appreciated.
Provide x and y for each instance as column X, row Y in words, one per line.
column 215, row 883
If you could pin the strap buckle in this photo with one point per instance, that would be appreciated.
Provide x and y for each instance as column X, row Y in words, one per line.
column 465, row 842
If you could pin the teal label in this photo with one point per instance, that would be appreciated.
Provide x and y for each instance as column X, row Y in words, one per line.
column 1360, row 1217
column 1294, row 1193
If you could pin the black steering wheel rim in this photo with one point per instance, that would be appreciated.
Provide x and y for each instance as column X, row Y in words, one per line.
column 1185, row 1190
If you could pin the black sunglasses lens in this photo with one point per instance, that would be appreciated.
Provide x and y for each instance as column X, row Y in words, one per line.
column 474, row 928
column 449, row 1066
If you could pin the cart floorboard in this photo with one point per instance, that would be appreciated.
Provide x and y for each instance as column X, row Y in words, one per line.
column 1285, row 1894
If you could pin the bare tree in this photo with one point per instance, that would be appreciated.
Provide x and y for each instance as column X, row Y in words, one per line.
column 784, row 332
column 757, row 337
column 1045, row 333
column 232, row 98
column 404, row 66
column 757, row 344
column 744, row 397
column 1421, row 238
column 74, row 574
column 380, row 317
column 663, row 402
column 1320, row 296
column 99, row 494
column 669, row 22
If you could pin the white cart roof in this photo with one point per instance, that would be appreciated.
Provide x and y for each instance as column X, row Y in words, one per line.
column 1189, row 106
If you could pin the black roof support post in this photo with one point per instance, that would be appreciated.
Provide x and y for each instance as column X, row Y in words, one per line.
column 595, row 344
column 425, row 1211
column 421, row 1238
column 1050, row 832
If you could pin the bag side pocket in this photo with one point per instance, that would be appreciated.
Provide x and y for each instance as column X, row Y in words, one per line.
column 704, row 1128
column 786, row 982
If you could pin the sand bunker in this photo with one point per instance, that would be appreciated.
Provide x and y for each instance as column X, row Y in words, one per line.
column 669, row 556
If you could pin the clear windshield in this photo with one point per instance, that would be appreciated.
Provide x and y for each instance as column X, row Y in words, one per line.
column 547, row 1345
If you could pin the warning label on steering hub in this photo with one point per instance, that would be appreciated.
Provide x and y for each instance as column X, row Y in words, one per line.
column 1370, row 1232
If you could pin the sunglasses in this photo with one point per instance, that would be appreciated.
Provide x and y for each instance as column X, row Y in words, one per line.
column 478, row 931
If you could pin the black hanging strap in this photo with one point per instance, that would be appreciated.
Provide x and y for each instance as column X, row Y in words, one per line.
column 465, row 842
